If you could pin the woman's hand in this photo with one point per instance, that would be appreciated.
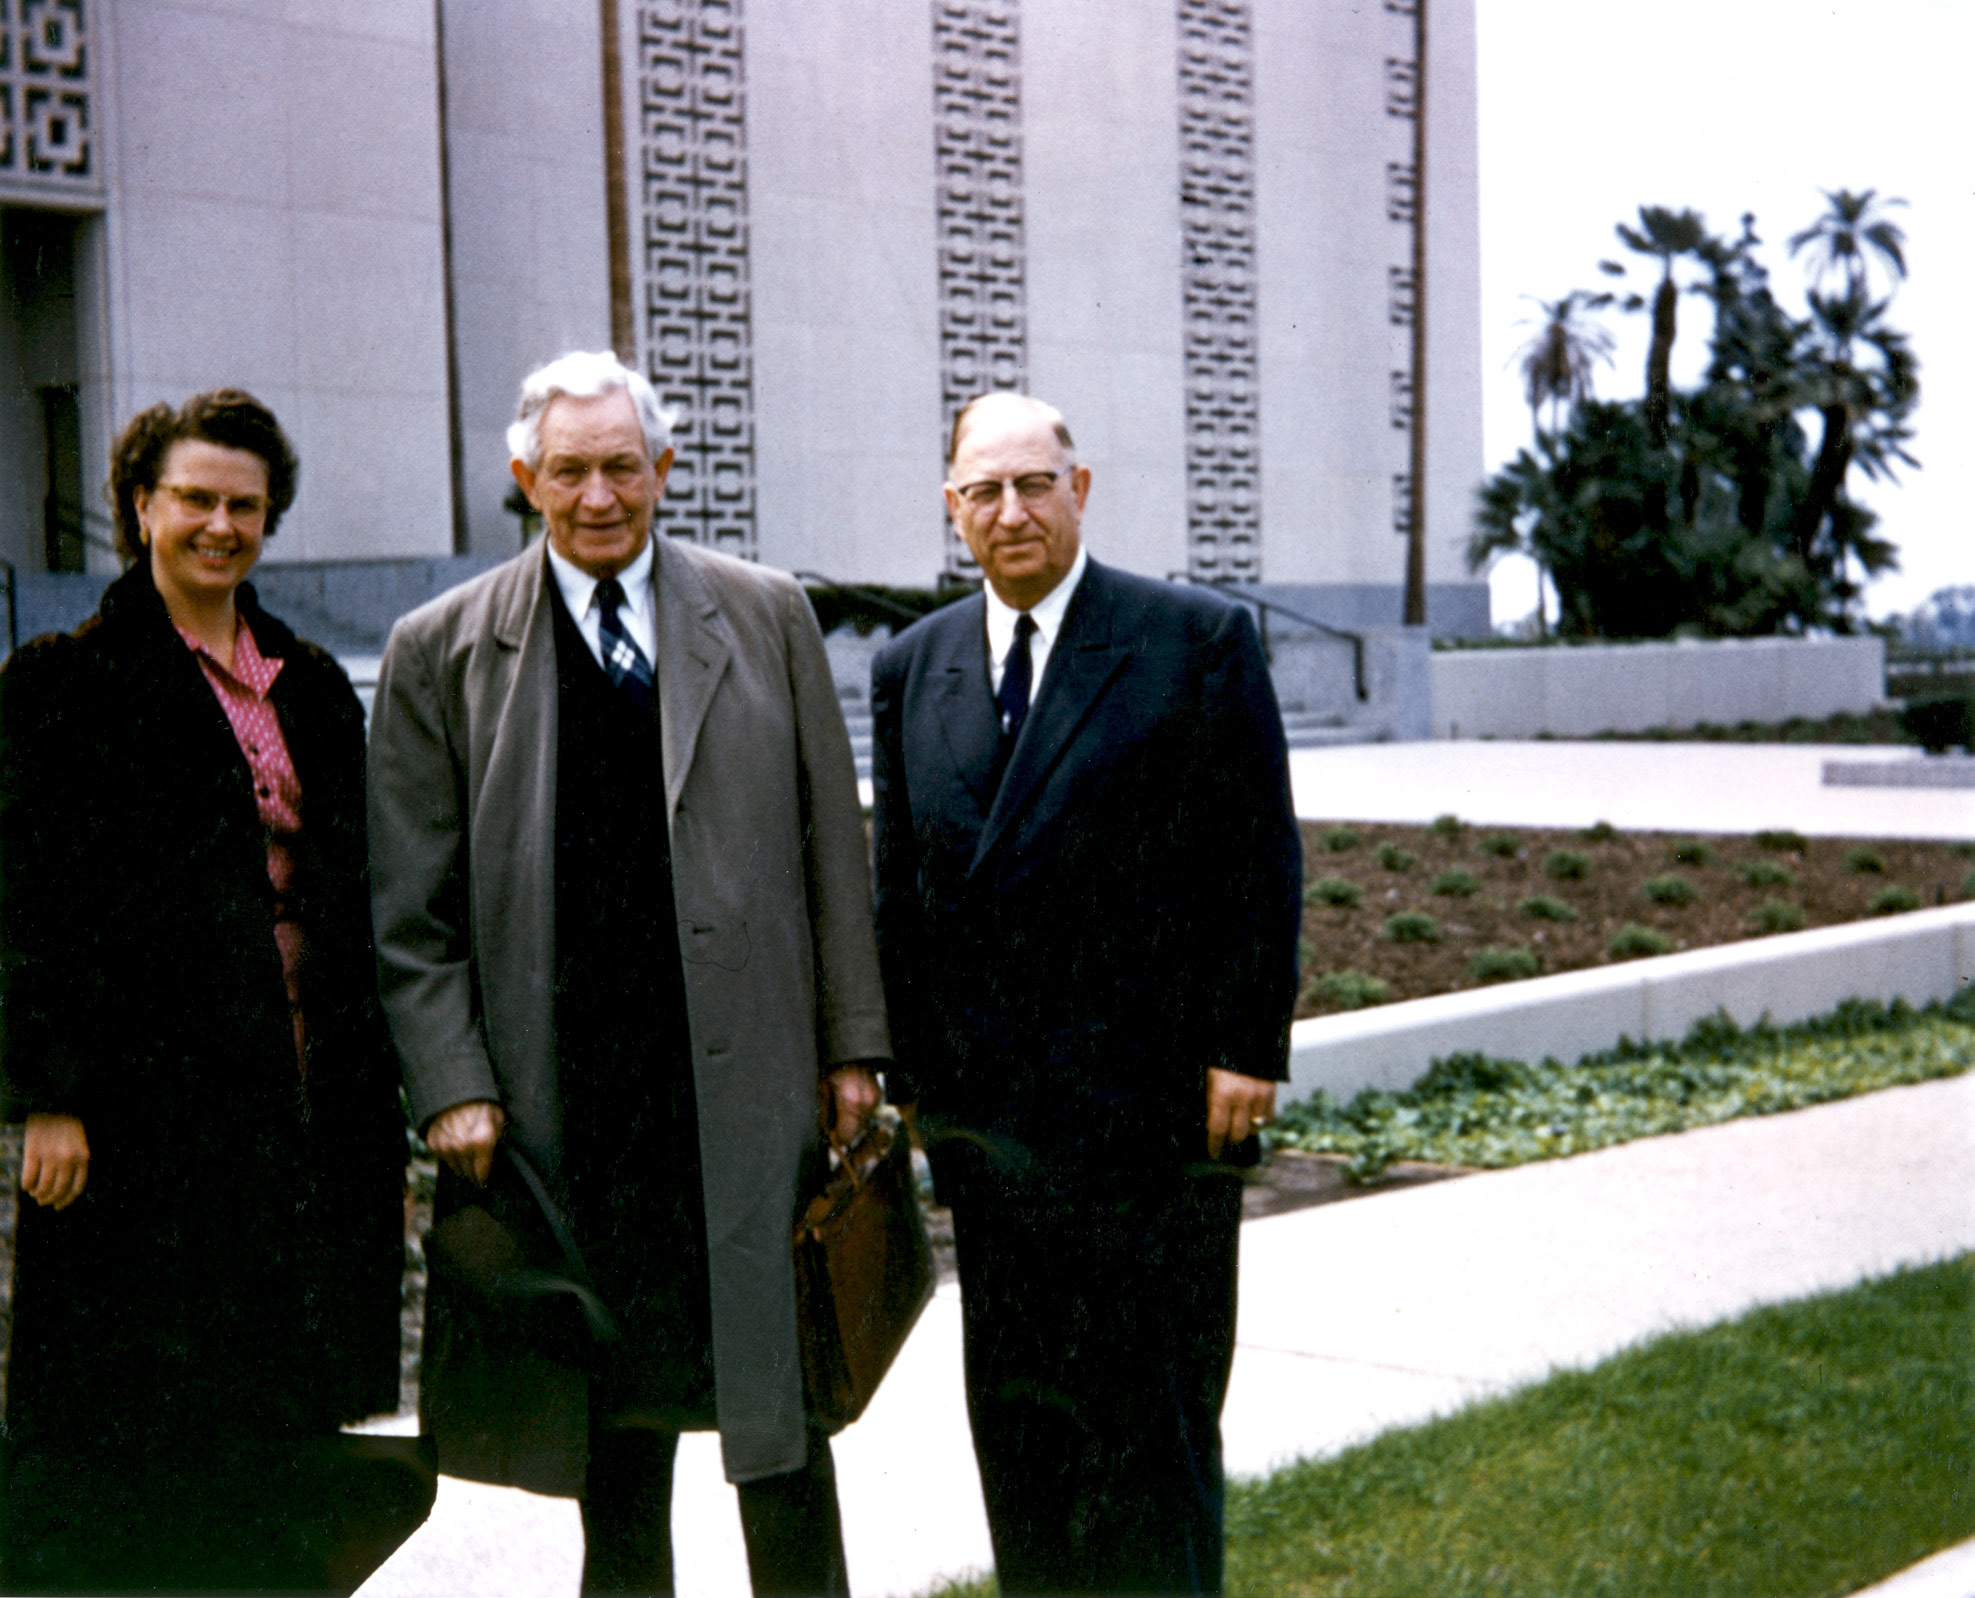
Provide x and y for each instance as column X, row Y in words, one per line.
column 54, row 1160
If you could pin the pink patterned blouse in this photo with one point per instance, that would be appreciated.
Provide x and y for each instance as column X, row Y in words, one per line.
column 242, row 694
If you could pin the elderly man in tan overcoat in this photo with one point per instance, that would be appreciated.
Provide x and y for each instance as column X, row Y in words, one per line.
column 624, row 916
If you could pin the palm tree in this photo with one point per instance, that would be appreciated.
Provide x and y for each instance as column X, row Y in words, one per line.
column 1558, row 360
column 1850, row 236
column 1666, row 236
column 1846, row 243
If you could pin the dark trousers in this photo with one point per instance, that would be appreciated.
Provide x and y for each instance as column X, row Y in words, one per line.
column 794, row 1536
column 1099, row 1337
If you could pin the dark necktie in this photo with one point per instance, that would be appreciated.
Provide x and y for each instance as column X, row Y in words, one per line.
column 1016, row 674
column 623, row 661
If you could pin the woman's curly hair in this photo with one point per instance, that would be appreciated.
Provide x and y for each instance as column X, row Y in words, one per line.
column 229, row 417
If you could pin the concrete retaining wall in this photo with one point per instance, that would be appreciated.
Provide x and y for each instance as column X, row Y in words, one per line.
column 1919, row 957
column 1572, row 691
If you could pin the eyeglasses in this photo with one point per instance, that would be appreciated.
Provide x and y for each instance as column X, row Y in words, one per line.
column 1032, row 488
column 202, row 502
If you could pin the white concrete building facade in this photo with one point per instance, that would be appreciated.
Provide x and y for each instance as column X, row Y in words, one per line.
column 820, row 228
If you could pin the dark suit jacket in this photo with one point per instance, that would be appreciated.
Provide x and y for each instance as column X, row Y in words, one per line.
column 1066, row 956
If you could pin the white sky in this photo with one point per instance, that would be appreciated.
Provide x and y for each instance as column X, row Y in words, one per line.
column 1591, row 108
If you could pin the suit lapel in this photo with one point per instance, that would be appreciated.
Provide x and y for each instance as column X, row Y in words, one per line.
column 694, row 647
column 967, row 717
column 1082, row 662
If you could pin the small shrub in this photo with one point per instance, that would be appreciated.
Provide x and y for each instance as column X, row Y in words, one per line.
column 1670, row 889
column 1763, row 874
column 1502, row 845
column 1567, row 865
column 1782, row 840
column 1334, row 891
column 1939, row 722
column 1457, row 883
column 1503, row 965
column 1966, row 848
column 1894, row 899
column 1866, row 862
column 1968, row 886
column 1393, row 858
column 1777, row 915
column 1449, row 827
column 1599, row 832
column 1689, row 852
column 1350, row 990
column 1544, row 908
column 1633, row 942
column 1340, row 840
column 1412, row 926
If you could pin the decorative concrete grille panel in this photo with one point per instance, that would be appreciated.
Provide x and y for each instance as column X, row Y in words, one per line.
column 694, row 322
column 1217, row 222
column 47, row 140
column 977, row 133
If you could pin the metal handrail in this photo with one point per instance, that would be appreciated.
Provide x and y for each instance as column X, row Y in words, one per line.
column 904, row 612
column 1355, row 640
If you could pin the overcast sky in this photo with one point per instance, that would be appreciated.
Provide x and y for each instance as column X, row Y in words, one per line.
column 1591, row 108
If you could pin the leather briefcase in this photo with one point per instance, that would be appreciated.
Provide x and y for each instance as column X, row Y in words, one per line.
column 863, row 1272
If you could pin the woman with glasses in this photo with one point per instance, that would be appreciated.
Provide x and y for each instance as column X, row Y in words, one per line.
column 208, row 1264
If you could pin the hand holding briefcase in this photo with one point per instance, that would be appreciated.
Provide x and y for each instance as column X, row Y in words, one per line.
column 863, row 1272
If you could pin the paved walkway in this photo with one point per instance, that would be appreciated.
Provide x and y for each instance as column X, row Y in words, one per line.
column 1357, row 1317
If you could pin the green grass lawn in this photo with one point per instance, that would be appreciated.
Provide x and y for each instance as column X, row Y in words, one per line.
column 1807, row 1449
column 1469, row 1110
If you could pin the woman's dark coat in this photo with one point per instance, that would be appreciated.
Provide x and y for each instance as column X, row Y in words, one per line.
column 233, row 1266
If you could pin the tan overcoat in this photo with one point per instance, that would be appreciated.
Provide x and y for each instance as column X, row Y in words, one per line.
column 771, row 887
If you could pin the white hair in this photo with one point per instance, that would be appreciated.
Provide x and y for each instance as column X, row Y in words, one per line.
column 584, row 374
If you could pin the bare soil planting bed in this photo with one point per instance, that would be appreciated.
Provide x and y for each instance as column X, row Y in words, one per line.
column 1733, row 887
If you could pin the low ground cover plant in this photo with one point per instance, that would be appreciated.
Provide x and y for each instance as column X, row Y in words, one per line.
column 1334, row 891
column 1599, row 886
column 1503, row 965
column 1690, row 852
column 1412, row 926
column 1351, row 990
column 1456, row 883
column 1805, row 1449
column 1865, row 861
column 1894, row 900
column 1669, row 888
column 1567, row 865
column 1777, row 915
column 1634, row 942
column 1502, row 845
column 1473, row 1110
column 1340, row 840
column 1782, row 839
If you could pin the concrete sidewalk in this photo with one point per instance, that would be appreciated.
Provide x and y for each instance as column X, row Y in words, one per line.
column 1354, row 1318
column 1661, row 786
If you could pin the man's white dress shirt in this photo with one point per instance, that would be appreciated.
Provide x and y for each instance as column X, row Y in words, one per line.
column 1047, row 614
column 638, row 614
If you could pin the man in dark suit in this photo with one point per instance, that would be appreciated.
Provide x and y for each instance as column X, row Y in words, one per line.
column 1089, row 889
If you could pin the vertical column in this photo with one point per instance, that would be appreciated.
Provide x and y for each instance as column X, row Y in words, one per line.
column 1405, row 206
column 691, row 251
column 1217, row 223
column 977, row 134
